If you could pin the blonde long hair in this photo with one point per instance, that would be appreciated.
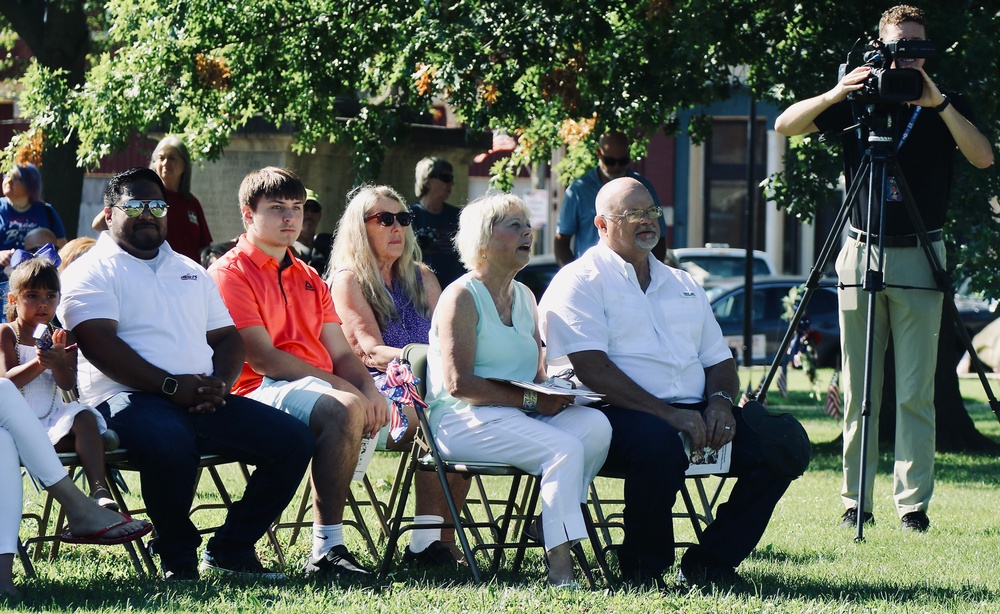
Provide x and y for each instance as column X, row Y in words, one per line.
column 351, row 250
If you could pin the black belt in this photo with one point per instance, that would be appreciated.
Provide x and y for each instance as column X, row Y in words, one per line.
column 895, row 240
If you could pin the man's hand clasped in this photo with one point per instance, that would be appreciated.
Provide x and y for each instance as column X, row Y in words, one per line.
column 200, row 393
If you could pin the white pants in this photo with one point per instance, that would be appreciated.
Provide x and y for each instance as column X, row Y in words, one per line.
column 566, row 450
column 21, row 437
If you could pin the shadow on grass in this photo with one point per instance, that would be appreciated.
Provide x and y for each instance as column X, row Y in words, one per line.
column 775, row 586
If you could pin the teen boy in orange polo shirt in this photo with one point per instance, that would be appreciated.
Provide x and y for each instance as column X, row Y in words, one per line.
column 297, row 358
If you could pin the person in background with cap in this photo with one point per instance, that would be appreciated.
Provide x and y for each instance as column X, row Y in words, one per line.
column 575, row 232
column 644, row 335
column 435, row 222
column 312, row 248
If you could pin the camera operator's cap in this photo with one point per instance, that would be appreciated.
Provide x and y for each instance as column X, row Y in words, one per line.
column 783, row 441
column 311, row 197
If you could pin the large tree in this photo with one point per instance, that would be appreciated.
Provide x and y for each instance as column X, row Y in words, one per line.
column 58, row 34
column 556, row 73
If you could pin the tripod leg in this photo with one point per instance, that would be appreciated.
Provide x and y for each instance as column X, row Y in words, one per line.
column 943, row 283
column 815, row 275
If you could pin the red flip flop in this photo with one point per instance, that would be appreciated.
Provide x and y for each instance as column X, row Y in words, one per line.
column 98, row 539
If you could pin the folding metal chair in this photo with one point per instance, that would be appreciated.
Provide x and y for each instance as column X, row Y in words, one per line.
column 698, row 511
column 517, row 511
column 380, row 508
column 210, row 464
column 139, row 556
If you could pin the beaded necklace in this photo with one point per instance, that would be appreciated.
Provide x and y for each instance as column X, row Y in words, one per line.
column 17, row 355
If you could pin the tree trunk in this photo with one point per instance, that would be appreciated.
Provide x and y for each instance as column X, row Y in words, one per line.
column 59, row 37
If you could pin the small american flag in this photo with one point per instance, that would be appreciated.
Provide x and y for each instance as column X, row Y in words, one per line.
column 399, row 386
column 832, row 406
column 783, row 380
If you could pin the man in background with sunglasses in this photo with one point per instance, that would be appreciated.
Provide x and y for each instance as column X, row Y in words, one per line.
column 160, row 354
column 297, row 357
column 576, row 232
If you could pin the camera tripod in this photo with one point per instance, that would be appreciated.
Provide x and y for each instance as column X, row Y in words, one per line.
column 877, row 163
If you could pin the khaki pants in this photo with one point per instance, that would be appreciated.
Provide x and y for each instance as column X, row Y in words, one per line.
column 914, row 317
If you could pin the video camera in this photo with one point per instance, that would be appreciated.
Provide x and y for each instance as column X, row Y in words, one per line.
column 886, row 85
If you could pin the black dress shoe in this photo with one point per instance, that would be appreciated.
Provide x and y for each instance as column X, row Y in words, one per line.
column 915, row 521
column 850, row 519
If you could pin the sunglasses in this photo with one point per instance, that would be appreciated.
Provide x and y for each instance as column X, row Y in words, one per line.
column 386, row 219
column 609, row 161
column 133, row 208
column 445, row 177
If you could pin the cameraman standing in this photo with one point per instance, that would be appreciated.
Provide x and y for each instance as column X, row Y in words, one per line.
column 925, row 134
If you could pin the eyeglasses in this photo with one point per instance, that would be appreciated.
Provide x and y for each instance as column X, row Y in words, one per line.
column 386, row 219
column 134, row 208
column 609, row 161
column 445, row 177
column 636, row 215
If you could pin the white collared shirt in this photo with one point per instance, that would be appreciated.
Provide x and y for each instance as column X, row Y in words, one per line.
column 164, row 309
column 663, row 338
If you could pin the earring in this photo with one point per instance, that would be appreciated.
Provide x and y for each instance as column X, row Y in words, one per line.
column 484, row 255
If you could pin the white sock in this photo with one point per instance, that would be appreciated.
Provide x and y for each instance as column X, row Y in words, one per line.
column 421, row 538
column 325, row 537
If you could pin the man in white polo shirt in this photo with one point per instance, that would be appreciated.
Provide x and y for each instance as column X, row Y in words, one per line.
column 160, row 354
column 644, row 335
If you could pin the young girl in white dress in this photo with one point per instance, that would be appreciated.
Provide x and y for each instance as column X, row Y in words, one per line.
column 43, row 369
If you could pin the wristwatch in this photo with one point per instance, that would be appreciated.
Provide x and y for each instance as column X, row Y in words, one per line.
column 169, row 386
column 725, row 395
column 944, row 105
column 530, row 402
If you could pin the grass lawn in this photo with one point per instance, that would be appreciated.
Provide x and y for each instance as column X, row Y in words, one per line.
column 804, row 563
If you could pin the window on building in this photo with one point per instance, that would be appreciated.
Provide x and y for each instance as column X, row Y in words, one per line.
column 726, row 181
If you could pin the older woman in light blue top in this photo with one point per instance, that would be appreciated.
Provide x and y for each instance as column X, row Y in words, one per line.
column 486, row 326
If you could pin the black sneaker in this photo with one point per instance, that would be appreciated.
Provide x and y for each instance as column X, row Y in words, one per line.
column 916, row 521
column 180, row 572
column 245, row 566
column 338, row 561
column 850, row 519
column 434, row 555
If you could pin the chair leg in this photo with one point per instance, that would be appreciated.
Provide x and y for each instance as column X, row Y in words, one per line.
column 138, row 551
column 691, row 511
column 360, row 525
column 396, row 522
column 595, row 543
column 43, row 525
column 470, row 555
column 532, row 489
column 22, row 554
column 304, row 504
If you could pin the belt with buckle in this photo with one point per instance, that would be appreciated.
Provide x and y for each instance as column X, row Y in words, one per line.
column 895, row 240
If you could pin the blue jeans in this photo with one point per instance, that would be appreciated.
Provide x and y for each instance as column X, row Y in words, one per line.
column 165, row 442
column 647, row 452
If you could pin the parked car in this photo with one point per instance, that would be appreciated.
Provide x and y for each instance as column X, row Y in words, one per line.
column 703, row 263
column 719, row 260
column 728, row 302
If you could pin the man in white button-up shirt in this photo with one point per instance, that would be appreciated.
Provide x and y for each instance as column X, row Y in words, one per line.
column 644, row 335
